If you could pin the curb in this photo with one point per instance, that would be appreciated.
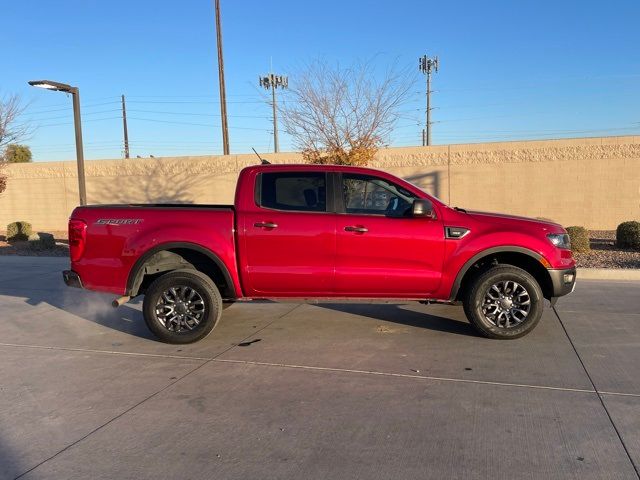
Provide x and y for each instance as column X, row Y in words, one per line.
column 629, row 274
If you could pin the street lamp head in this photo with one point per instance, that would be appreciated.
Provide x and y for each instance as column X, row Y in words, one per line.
column 51, row 85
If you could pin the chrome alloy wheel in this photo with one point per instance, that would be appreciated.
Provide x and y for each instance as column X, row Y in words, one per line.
column 180, row 309
column 506, row 304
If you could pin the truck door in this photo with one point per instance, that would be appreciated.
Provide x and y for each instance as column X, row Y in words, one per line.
column 289, row 237
column 380, row 249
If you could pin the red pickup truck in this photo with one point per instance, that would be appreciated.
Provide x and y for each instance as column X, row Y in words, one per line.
column 319, row 232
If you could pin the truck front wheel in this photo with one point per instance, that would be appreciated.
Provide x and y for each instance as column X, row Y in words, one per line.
column 505, row 302
column 182, row 306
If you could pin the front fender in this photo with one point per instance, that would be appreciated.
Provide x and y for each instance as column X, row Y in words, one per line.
column 461, row 254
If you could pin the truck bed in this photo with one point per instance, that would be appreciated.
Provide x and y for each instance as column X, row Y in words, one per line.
column 117, row 236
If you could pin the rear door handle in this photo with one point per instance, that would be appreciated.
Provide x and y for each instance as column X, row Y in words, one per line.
column 355, row 228
column 265, row 225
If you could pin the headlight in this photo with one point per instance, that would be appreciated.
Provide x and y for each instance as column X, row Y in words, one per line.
column 560, row 240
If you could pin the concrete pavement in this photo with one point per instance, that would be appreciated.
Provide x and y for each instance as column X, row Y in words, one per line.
column 315, row 391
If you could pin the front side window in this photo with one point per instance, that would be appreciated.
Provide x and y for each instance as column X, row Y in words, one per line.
column 367, row 195
column 302, row 191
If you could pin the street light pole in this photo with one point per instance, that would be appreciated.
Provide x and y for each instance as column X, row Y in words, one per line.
column 77, row 122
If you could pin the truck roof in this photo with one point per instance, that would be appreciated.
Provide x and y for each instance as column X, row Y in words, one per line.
column 313, row 167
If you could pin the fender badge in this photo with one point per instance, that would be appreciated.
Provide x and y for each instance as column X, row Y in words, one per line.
column 118, row 221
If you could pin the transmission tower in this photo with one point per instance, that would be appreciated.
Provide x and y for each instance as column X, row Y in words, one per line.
column 273, row 81
column 427, row 65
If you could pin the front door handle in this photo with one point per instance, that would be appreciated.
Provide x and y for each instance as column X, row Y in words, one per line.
column 265, row 225
column 355, row 228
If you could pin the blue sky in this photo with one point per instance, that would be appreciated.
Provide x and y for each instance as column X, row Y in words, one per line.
column 509, row 69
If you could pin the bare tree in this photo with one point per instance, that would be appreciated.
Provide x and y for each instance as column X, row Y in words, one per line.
column 343, row 115
column 10, row 130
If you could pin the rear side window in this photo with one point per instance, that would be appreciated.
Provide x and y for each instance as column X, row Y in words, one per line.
column 303, row 191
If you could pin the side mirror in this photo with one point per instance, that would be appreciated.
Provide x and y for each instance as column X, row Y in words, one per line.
column 422, row 208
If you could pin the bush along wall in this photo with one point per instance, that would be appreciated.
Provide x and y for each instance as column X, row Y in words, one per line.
column 18, row 231
column 628, row 235
column 579, row 239
column 41, row 241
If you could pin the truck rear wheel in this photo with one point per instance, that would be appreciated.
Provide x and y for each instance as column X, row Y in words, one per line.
column 505, row 302
column 182, row 306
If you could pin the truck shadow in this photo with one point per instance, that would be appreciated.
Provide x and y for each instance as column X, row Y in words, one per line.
column 97, row 308
column 89, row 306
column 49, row 290
column 394, row 313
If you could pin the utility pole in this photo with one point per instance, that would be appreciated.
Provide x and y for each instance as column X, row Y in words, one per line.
column 124, row 127
column 223, row 94
column 426, row 65
column 272, row 82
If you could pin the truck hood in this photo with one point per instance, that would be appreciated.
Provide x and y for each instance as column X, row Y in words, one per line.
column 501, row 218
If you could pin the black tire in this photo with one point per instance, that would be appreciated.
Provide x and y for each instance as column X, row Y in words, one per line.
column 486, row 323
column 183, row 281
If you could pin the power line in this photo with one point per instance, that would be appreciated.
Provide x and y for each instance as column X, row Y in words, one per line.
column 190, row 123
column 67, row 116
column 89, row 105
column 497, row 134
column 251, row 95
column 197, row 114
column 83, row 121
column 192, row 102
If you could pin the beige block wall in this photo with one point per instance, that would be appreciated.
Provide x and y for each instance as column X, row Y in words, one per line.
column 594, row 182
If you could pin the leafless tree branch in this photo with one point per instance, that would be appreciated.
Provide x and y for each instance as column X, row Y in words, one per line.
column 11, row 130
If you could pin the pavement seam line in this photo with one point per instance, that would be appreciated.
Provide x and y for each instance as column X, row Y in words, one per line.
column 606, row 410
column 402, row 375
column 149, row 397
column 618, row 394
column 106, row 352
column 613, row 313
column 133, row 354
column 312, row 367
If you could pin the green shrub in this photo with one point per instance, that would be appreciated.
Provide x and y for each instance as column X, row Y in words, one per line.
column 579, row 239
column 17, row 153
column 18, row 231
column 628, row 235
column 41, row 241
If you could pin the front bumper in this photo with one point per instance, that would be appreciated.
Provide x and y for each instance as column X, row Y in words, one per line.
column 72, row 279
column 563, row 281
